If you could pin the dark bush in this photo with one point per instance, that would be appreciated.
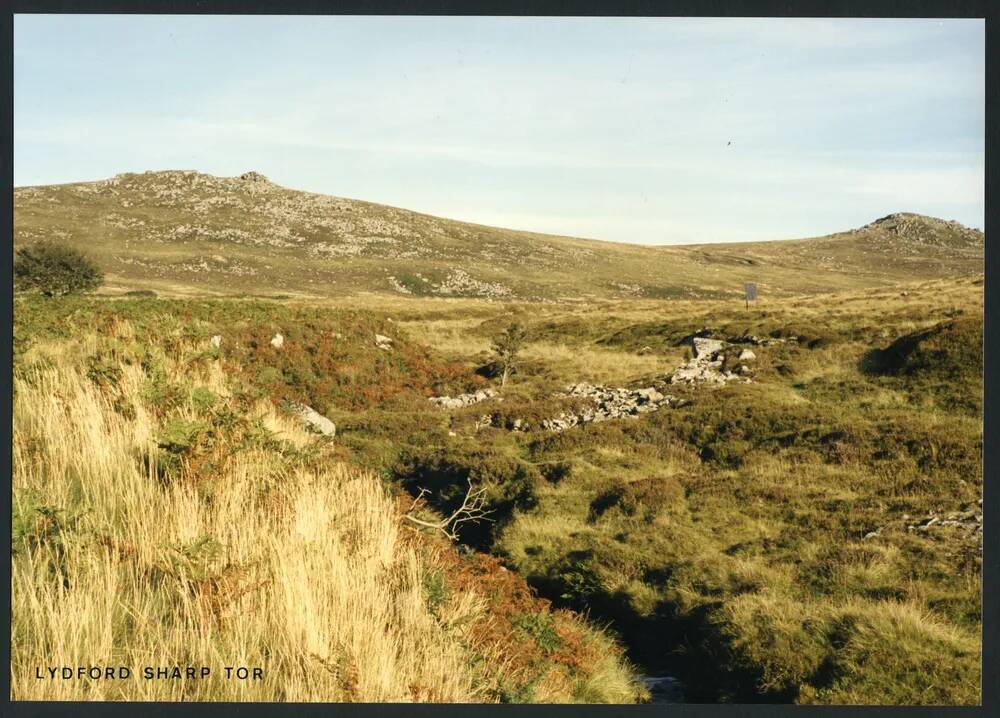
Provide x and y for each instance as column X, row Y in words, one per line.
column 55, row 270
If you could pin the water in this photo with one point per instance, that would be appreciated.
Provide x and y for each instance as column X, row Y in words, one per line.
column 664, row 689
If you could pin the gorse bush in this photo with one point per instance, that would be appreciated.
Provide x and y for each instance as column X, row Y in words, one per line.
column 54, row 270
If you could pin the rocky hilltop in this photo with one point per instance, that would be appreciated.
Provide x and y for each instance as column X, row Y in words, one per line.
column 189, row 231
column 918, row 229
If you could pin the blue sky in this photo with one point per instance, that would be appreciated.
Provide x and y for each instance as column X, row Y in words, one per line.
column 655, row 131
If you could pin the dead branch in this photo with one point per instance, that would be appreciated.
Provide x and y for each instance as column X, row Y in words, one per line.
column 471, row 510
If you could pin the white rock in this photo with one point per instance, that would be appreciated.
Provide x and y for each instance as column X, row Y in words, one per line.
column 217, row 341
column 649, row 394
column 315, row 420
column 747, row 355
column 277, row 341
column 704, row 347
column 383, row 342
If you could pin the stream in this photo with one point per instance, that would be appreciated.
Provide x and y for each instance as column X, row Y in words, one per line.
column 664, row 689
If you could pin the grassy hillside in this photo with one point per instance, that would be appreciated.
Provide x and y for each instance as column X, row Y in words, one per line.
column 168, row 510
column 180, row 232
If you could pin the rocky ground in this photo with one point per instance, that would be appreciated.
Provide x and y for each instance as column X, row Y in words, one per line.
column 609, row 403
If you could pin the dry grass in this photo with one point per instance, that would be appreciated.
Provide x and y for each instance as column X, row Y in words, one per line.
column 599, row 365
column 309, row 578
column 451, row 337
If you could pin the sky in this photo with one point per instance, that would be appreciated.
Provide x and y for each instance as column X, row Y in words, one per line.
column 645, row 130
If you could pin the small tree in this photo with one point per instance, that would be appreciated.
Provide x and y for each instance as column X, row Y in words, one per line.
column 507, row 347
column 55, row 269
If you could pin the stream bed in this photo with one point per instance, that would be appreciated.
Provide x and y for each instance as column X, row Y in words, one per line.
column 664, row 689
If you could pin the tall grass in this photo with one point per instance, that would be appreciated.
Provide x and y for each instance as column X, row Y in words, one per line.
column 307, row 574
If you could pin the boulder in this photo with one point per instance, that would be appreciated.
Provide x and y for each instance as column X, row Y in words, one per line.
column 277, row 341
column 314, row 420
column 747, row 355
column 705, row 347
column 383, row 342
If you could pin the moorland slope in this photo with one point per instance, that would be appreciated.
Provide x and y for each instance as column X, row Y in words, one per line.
column 185, row 231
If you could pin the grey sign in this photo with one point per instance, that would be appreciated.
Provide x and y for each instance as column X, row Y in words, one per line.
column 750, row 290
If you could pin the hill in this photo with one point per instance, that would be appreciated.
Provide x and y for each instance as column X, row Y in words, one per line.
column 184, row 231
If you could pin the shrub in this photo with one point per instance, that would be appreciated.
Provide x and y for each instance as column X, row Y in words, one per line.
column 55, row 270
column 507, row 347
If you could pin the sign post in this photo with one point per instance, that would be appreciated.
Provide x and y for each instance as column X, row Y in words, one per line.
column 749, row 292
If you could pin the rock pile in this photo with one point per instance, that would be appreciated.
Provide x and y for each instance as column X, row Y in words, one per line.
column 609, row 403
column 252, row 176
column 457, row 402
column 460, row 282
column 707, row 366
column 969, row 519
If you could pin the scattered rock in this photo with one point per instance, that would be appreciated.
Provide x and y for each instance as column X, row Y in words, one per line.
column 968, row 520
column 277, row 341
column 457, row 402
column 383, row 342
column 755, row 340
column 314, row 420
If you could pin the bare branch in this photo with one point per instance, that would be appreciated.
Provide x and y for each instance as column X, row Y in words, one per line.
column 471, row 510
column 417, row 500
